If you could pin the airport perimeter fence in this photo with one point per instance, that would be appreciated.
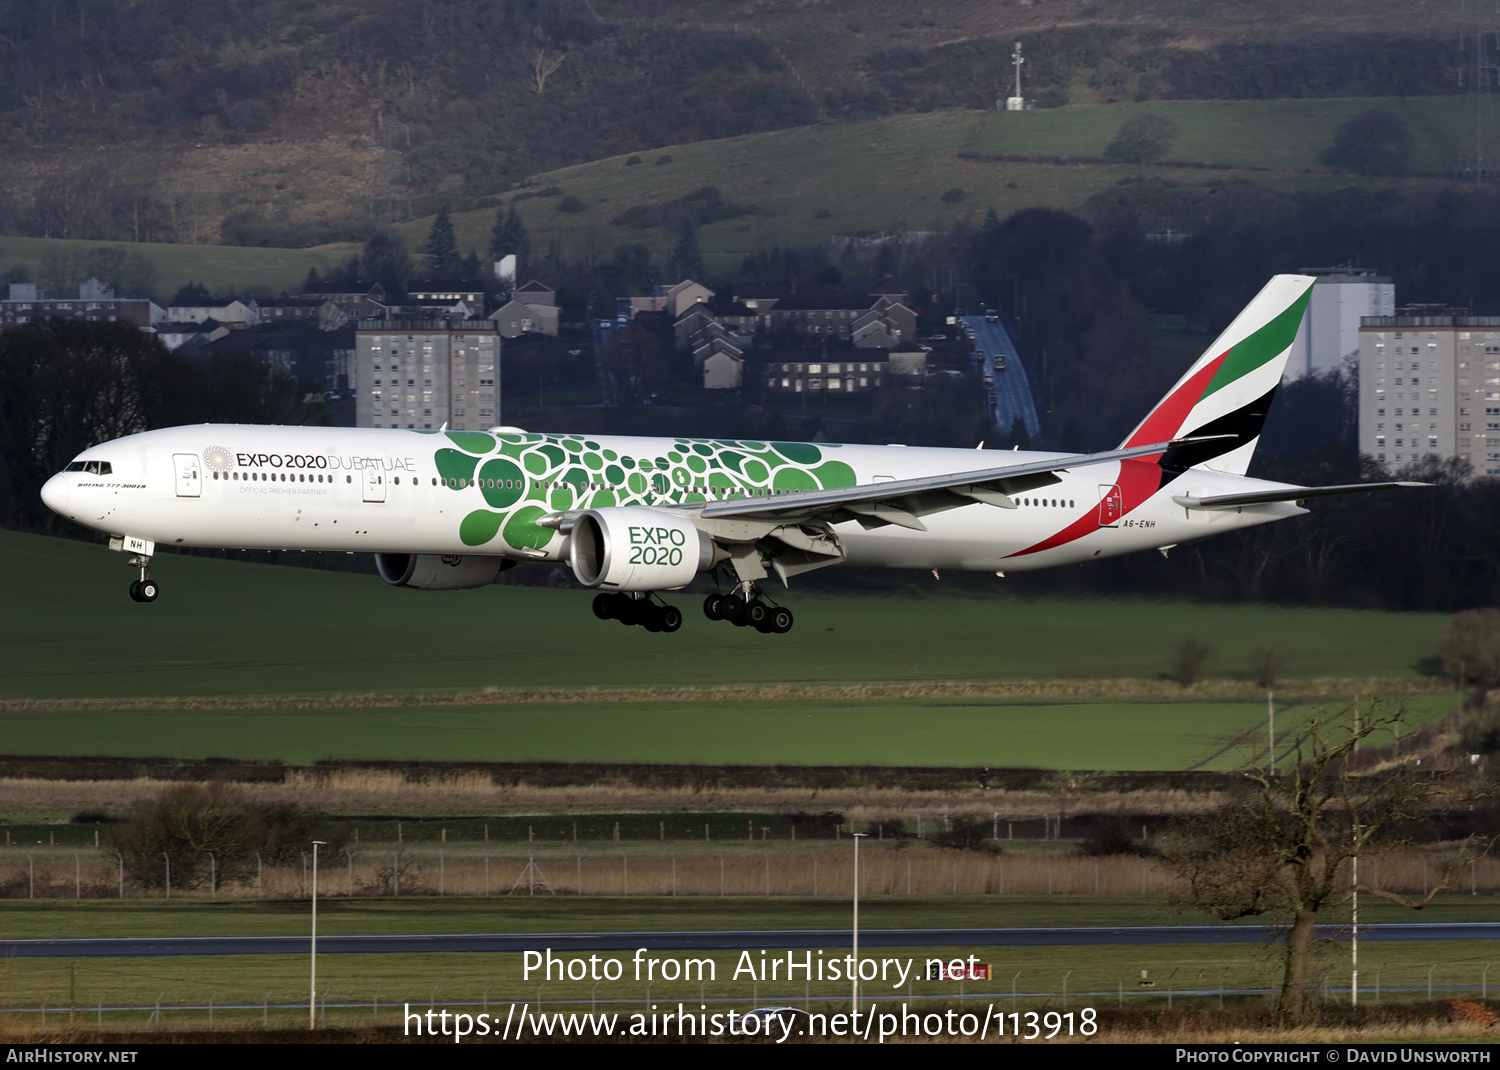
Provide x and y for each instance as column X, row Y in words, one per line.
column 463, row 872
column 342, row 1007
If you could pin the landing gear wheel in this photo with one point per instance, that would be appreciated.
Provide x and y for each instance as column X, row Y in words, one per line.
column 732, row 609
column 626, row 609
column 713, row 606
column 603, row 607
column 780, row 620
column 670, row 618
column 135, row 590
column 757, row 613
column 149, row 590
column 650, row 616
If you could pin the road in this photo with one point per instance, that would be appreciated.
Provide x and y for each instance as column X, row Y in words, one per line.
column 145, row 947
column 1010, row 390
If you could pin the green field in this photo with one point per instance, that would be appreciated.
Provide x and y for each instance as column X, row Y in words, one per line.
column 866, row 176
column 232, row 631
column 223, row 269
column 1287, row 135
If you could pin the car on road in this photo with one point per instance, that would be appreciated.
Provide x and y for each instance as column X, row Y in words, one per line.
column 992, row 317
column 999, row 362
column 776, row 1014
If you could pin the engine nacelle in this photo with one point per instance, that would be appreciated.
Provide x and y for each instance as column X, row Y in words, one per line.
column 633, row 548
column 434, row 572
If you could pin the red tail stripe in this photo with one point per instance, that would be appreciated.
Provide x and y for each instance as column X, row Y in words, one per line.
column 1139, row 478
column 1167, row 418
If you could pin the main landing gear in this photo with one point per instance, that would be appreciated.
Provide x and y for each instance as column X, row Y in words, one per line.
column 745, row 607
column 144, row 589
column 629, row 609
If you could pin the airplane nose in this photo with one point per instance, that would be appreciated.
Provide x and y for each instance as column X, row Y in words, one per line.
column 55, row 494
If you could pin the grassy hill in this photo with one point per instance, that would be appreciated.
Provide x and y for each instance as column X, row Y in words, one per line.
column 812, row 183
column 224, row 269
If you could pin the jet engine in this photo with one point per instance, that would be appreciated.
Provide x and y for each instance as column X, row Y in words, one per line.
column 435, row 572
column 632, row 548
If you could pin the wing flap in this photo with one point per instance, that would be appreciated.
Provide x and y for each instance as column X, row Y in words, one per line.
column 1284, row 494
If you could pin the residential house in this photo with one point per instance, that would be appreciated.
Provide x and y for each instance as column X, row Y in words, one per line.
column 841, row 370
column 532, row 309
column 231, row 311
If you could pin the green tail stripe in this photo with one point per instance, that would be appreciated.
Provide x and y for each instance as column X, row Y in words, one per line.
column 1265, row 344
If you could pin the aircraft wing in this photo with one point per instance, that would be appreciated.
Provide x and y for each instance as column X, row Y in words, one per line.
column 1284, row 494
column 904, row 501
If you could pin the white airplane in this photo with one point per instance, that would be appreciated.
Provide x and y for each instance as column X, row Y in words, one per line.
column 634, row 517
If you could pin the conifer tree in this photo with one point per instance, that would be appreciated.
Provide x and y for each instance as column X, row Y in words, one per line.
column 442, row 247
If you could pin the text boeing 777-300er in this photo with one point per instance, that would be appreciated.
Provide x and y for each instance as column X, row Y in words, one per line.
column 443, row 510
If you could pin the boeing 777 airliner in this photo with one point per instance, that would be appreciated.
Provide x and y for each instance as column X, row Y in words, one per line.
column 634, row 517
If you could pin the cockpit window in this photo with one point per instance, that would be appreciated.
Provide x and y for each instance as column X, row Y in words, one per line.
column 76, row 466
column 93, row 468
column 105, row 468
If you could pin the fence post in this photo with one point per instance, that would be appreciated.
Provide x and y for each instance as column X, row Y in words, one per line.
column 442, row 879
column 815, row 874
column 767, row 858
column 350, row 857
column 121, row 859
column 721, row 873
column 31, row 879
column 486, row 873
column 578, row 858
column 625, row 864
column 1429, row 981
column 169, row 875
column 396, row 874
column 257, row 874
column 213, row 893
column 77, row 878
column 674, row 874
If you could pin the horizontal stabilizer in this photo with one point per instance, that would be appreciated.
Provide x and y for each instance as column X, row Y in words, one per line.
column 1283, row 494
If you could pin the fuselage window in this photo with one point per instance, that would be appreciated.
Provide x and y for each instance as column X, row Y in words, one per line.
column 397, row 481
column 348, row 479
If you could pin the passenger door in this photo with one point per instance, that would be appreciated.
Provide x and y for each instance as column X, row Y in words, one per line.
column 186, row 476
column 1111, row 506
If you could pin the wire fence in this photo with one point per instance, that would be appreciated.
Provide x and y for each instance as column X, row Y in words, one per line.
column 921, row 871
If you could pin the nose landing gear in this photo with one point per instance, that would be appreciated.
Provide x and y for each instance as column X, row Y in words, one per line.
column 746, row 607
column 629, row 609
column 144, row 589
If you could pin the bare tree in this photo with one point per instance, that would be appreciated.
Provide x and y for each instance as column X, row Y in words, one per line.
column 1281, row 848
column 1471, row 650
column 544, row 66
column 1187, row 662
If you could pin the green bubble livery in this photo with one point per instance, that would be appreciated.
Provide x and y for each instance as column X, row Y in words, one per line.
column 513, row 480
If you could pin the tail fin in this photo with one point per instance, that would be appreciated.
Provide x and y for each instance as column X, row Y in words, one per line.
column 1229, row 389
